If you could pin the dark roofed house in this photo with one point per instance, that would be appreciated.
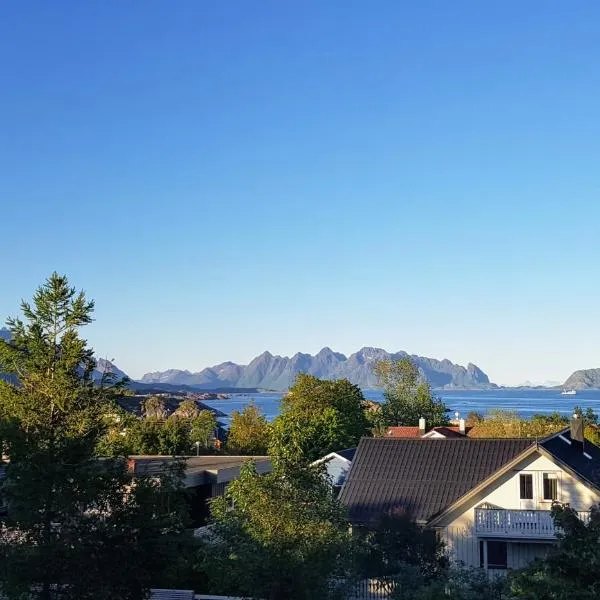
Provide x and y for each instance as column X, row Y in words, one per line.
column 421, row 476
column 489, row 499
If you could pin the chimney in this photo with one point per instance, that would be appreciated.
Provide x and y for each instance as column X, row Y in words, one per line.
column 421, row 426
column 461, row 426
column 577, row 439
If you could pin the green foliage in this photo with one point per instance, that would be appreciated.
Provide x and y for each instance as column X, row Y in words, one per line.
column 76, row 527
column 397, row 541
column 407, row 397
column 249, row 432
column 507, row 424
column 279, row 536
column 317, row 417
column 154, row 407
column 202, row 427
column 152, row 434
column 454, row 584
column 572, row 569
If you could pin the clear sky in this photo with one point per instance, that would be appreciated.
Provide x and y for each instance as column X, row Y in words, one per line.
column 226, row 177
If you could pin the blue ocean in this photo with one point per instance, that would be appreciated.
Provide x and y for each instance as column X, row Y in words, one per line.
column 524, row 402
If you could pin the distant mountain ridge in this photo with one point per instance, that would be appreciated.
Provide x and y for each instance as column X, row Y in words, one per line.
column 267, row 371
column 103, row 366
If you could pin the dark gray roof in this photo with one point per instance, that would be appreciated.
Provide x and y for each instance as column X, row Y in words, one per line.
column 422, row 476
column 200, row 470
column 562, row 448
column 158, row 594
column 348, row 453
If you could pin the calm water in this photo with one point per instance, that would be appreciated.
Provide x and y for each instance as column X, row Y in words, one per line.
column 525, row 402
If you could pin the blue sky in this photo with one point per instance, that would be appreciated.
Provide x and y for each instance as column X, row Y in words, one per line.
column 229, row 177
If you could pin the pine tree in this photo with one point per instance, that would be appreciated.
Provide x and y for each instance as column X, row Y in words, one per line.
column 77, row 526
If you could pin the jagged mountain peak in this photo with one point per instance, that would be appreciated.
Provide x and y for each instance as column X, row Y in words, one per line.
column 268, row 371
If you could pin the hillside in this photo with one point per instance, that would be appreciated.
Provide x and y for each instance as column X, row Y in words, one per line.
column 267, row 371
column 584, row 379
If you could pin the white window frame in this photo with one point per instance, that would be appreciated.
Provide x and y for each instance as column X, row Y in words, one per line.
column 532, row 475
column 550, row 475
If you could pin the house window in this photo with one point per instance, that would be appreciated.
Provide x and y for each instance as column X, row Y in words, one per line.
column 496, row 555
column 550, row 486
column 526, row 486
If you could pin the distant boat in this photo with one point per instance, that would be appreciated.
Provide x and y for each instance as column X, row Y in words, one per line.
column 568, row 393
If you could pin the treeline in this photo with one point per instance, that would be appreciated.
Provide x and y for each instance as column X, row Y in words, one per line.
column 188, row 430
column 83, row 528
column 508, row 424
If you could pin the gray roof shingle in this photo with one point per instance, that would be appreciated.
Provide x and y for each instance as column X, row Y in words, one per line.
column 570, row 455
column 422, row 476
column 348, row 453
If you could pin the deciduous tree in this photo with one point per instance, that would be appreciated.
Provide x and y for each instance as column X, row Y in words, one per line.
column 279, row 536
column 248, row 431
column 571, row 569
column 154, row 407
column 407, row 396
column 317, row 417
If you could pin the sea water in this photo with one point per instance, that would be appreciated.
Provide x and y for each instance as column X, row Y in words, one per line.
column 524, row 402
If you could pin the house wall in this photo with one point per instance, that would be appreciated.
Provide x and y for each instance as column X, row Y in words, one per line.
column 463, row 547
column 458, row 532
column 337, row 469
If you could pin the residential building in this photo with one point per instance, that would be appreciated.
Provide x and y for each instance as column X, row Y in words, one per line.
column 337, row 465
column 489, row 499
column 206, row 477
column 445, row 431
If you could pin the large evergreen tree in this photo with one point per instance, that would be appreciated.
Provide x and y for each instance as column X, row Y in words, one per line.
column 77, row 526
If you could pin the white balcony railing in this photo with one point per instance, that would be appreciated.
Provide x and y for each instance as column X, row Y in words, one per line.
column 532, row 524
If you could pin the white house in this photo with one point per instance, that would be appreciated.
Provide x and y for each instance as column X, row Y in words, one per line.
column 337, row 466
column 489, row 499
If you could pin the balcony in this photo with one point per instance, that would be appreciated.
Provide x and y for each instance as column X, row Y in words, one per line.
column 525, row 524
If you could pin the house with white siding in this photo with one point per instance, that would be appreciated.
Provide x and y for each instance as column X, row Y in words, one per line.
column 489, row 499
column 337, row 465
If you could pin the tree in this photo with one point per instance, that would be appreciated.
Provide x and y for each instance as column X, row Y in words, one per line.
column 457, row 583
column 317, row 417
column 571, row 569
column 154, row 407
column 508, row 424
column 397, row 541
column 278, row 536
column 77, row 527
column 201, row 428
column 248, row 431
column 188, row 409
column 407, row 396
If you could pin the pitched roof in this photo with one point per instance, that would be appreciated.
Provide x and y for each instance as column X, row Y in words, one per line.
column 348, row 453
column 403, row 432
column 561, row 447
column 164, row 594
column 422, row 476
column 450, row 432
column 199, row 470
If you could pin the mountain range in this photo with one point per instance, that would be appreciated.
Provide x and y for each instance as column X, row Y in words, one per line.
column 270, row 372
